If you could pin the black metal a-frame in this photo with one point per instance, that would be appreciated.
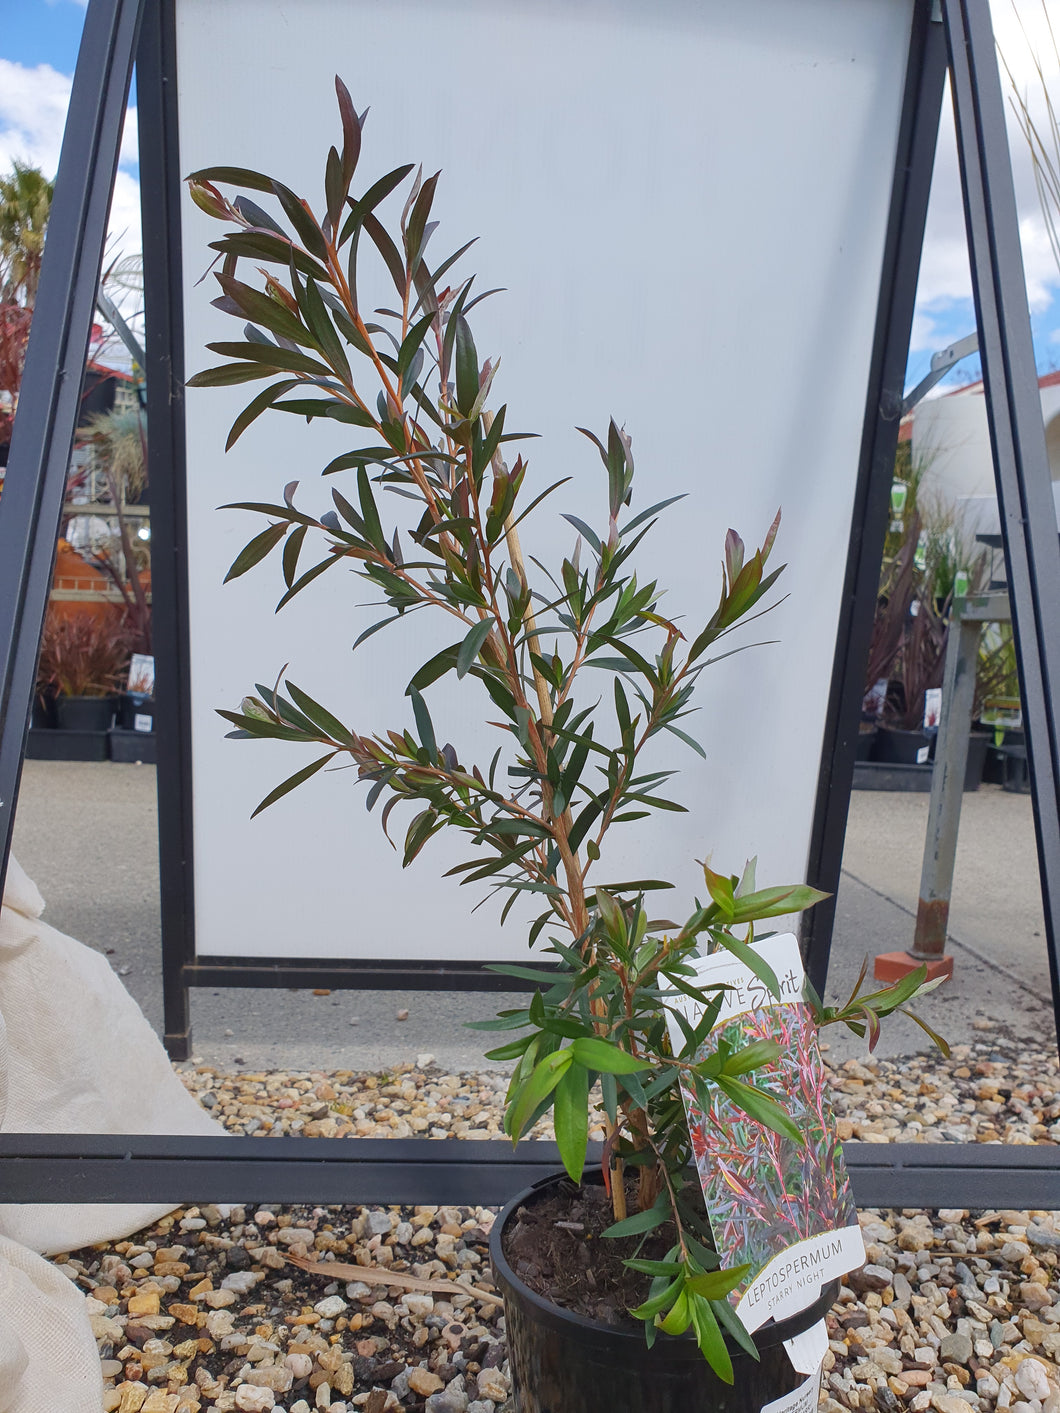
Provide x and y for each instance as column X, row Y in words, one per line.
column 953, row 34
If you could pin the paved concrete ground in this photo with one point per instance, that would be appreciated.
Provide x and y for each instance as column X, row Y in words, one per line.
column 86, row 834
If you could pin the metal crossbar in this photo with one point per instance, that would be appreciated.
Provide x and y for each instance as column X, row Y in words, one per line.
column 367, row 1171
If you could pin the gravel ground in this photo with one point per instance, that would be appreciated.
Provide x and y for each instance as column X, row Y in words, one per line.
column 954, row 1311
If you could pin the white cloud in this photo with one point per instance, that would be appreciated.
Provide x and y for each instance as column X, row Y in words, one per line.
column 33, row 104
column 1022, row 34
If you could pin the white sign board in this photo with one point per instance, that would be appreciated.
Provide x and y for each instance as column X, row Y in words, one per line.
column 686, row 206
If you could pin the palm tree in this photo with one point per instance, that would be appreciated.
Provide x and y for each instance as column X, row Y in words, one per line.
column 25, row 204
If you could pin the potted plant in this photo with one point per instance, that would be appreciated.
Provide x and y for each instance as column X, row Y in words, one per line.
column 82, row 660
column 612, row 1011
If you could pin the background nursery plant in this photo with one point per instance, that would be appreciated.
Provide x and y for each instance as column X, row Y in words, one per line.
column 580, row 671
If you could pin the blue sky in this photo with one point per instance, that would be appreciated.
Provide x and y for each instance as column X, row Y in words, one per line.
column 38, row 51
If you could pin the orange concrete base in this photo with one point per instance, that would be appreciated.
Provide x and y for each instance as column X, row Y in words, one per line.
column 892, row 966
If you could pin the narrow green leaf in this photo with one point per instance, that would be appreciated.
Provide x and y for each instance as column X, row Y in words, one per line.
column 232, row 176
column 654, row 1268
column 640, row 1221
column 287, row 360
column 761, row 1107
column 424, row 724
column 466, row 366
column 308, row 577
column 316, row 316
column 226, row 374
column 308, row 231
column 752, row 960
column 291, row 550
column 776, row 902
column 709, row 1337
column 570, row 1110
column 256, row 550
column 437, row 667
column 376, row 193
column 714, row 1285
column 262, row 309
column 319, row 715
column 660, row 1302
column 602, row 1056
column 472, row 646
column 256, row 407
column 273, row 249
column 544, row 1078
column 373, row 529
column 750, row 1057
column 292, row 781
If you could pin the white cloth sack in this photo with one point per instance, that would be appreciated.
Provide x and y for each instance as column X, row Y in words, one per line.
column 76, row 1056
column 81, row 1058
column 48, row 1357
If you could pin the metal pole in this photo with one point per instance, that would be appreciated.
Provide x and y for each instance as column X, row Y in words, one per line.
column 164, row 366
column 1021, row 465
column 901, row 266
column 50, row 398
column 947, row 787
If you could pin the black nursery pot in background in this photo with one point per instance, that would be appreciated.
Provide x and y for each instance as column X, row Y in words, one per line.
column 136, row 711
column 42, row 717
column 84, row 713
column 562, row 1362
column 897, row 747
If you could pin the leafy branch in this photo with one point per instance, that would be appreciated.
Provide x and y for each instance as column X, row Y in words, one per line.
column 408, row 377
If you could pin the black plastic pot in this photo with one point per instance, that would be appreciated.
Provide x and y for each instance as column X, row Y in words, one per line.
column 1017, row 779
column 562, row 1362
column 866, row 743
column 42, row 717
column 83, row 713
column 978, row 742
column 136, row 711
column 897, row 747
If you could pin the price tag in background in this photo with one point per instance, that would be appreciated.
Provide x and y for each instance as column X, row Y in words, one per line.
column 932, row 708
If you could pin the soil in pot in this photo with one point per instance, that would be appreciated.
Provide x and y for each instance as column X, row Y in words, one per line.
column 587, row 1353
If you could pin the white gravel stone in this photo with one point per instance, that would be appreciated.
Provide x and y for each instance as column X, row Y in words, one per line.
column 251, row 1398
column 331, row 1307
column 242, row 1282
column 1032, row 1380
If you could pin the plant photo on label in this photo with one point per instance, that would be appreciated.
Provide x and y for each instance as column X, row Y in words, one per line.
column 574, row 665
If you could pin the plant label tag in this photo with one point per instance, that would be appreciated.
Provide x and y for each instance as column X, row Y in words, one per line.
column 782, row 1207
column 932, row 708
column 141, row 673
column 807, row 1350
column 801, row 1400
column 143, row 722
